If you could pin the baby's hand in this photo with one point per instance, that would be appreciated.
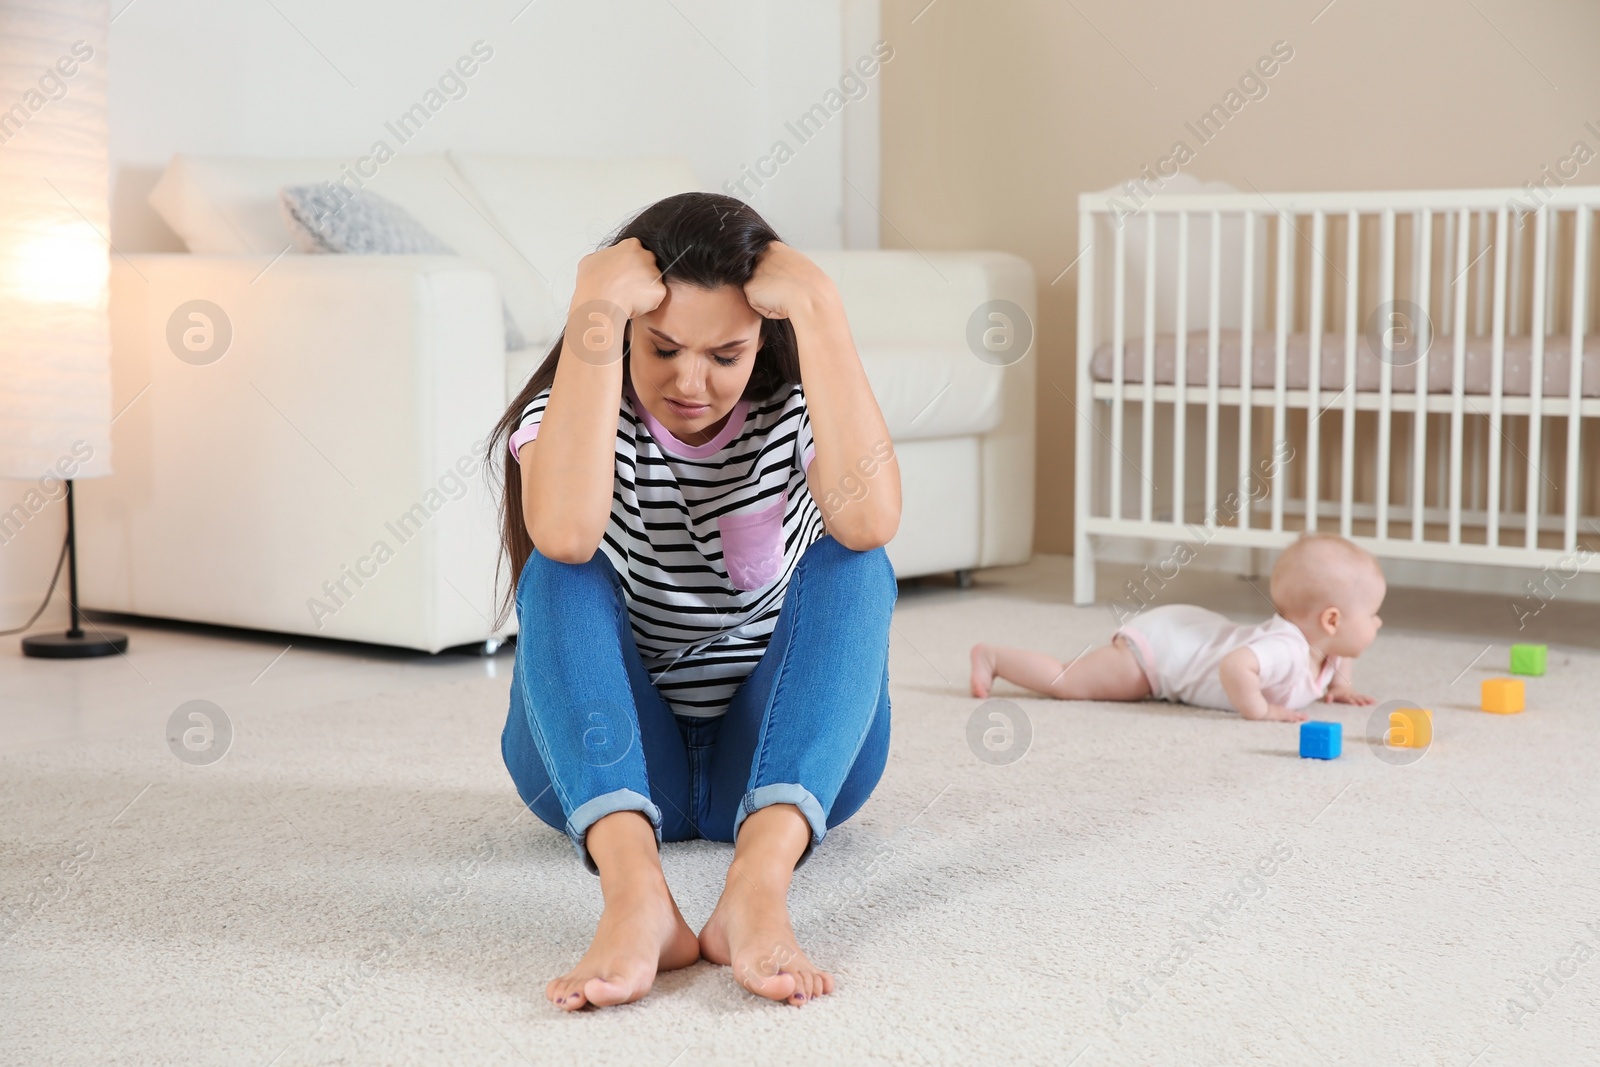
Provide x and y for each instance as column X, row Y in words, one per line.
column 1342, row 695
column 1279, row 713
column 1266, row 711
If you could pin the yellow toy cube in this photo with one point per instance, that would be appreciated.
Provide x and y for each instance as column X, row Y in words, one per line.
column 1409, row 728
column 1503, row 696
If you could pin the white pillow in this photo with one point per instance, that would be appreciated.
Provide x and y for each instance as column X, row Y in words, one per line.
column 228, row 205
column 364, row 224
column 556, row 211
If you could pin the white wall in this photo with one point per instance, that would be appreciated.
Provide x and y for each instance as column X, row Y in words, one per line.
column 714, row 80
column 999, row 115
column 863, row 29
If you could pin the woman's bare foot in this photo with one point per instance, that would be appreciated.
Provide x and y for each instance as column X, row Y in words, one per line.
column 750, row 930
column 641, row 931
column 983, row 666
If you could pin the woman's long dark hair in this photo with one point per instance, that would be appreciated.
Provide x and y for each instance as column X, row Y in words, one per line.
column 707, row 240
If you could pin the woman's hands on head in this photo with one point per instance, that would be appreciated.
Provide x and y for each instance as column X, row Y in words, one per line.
column 847, row 426
column 786, row 282
column 569, row 472
column 624, row 274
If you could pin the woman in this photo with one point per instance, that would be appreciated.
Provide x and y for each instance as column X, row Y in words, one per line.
column 703, row 596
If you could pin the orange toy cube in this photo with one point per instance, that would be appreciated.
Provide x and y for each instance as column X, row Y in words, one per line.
column 1409, row 728
column 1503, row 696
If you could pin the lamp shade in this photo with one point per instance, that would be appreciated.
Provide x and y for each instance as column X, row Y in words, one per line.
column 55, row 345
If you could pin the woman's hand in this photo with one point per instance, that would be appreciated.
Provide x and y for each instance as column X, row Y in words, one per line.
column 625, row 274
column 846, row 424
column 786, row 281
column 569, row 471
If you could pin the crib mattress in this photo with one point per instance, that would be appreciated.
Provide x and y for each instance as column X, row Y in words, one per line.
column 1516, row 373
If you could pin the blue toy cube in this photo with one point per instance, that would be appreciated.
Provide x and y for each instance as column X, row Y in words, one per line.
column 1321, row 740
column 1528, row 659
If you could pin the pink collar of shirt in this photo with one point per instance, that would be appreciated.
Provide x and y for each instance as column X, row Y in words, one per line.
column 672, row 446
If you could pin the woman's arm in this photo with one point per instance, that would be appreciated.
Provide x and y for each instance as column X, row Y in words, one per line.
column 854, row 475
column 569, row 470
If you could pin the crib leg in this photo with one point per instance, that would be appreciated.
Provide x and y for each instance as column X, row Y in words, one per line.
column 1082, row 570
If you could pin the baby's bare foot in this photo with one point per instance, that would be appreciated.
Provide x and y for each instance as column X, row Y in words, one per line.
column 982, row 670
column 750, row 932
column 640, row 932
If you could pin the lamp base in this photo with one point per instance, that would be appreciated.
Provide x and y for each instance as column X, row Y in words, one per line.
column 66, row 646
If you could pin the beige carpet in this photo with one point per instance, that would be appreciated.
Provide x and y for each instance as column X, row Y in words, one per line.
column 1146, row 885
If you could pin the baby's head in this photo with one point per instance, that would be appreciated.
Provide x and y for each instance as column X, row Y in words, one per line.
column 1332, row 589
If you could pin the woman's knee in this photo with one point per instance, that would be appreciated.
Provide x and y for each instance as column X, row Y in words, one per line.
column 868, row 571
column 550, row 582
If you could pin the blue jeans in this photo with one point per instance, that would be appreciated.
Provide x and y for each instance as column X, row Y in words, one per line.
column 588, row 733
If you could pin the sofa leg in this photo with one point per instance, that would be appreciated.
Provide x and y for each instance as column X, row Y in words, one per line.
column 964, row 579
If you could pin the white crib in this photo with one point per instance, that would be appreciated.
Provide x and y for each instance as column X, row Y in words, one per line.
column 1417, row 375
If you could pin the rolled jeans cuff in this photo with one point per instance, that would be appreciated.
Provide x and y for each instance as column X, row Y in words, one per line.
column 799, row 796
column 593, row 811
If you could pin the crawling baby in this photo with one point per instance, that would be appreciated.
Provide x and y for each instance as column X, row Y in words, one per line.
column 1327, row 592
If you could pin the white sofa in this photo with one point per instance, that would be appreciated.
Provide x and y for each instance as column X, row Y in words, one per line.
column 324, row 475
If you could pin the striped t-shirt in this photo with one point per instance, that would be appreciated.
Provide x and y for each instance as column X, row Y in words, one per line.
column 705, row 537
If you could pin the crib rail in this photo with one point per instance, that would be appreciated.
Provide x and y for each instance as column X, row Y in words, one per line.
column 1399, row 282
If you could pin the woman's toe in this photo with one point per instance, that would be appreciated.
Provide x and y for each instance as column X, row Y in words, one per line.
column 780, row 986
column 602, row 991
column 564, row 994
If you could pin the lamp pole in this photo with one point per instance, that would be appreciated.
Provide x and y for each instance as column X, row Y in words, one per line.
column 74, row 644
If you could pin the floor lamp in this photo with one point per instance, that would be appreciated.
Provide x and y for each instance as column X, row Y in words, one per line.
column 55, row 345
column 74, row 644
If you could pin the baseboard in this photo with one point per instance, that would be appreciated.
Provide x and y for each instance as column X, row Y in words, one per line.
column 14, row 611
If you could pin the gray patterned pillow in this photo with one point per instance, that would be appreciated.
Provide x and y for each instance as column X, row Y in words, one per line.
column 322, row 219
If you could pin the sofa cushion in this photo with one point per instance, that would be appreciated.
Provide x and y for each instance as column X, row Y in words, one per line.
column 521, row 365
column 228, row 205
column 556, row 211
column 926, row 391
column 319, row 220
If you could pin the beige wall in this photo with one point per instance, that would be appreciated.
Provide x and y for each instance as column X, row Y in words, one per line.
column 996, row 115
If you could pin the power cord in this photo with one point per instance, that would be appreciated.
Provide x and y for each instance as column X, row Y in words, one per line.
column 50, row 593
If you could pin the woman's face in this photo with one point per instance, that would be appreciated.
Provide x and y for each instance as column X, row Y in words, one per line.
column 692, row 356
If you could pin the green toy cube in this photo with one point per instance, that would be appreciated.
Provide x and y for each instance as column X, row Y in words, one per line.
column 1528, row 659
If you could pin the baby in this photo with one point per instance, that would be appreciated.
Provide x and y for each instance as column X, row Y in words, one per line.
column 1327, row 591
